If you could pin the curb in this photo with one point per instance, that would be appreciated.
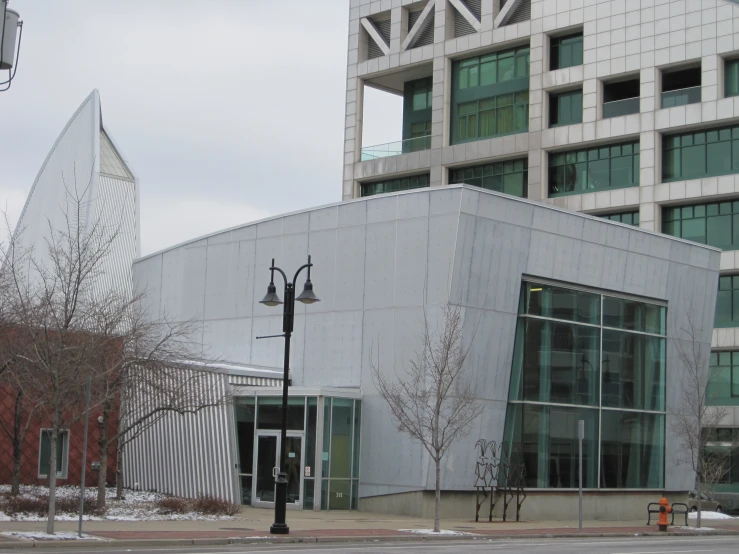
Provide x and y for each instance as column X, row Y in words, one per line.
column 81, row 545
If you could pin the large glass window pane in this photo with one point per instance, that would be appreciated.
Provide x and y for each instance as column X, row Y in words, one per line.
column 45, row 452
column 326, row 444
column 341, row 438
column 244, row 414
column 560, row 362
column 700, row 154
column 357, row 437
column 718, row 158
column 561, row 303
column 546, row 439
column 269, row 414
column 632, row 450
column 310, row 439
column 633, row 315
column 633, row 371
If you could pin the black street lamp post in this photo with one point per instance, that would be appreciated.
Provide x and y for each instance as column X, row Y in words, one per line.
column 279, row 527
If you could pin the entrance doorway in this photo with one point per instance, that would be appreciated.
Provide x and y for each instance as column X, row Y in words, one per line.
column 266, row 466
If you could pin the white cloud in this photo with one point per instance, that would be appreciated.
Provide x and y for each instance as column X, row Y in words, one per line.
column 166, row 221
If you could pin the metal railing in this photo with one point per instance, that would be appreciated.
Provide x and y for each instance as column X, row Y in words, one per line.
column 396, row 148
column 616, row 108
column 681, row 97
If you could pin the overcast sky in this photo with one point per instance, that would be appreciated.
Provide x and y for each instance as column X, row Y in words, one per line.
column 227, row 110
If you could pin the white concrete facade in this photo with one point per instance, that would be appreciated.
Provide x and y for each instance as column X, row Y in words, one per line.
column 621, row 38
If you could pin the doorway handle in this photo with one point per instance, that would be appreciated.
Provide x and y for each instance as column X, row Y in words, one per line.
column 275, row 471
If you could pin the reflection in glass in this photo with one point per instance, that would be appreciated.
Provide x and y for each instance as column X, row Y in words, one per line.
column 266, row 462
column 549, row 444
column 559, row 362
column 633, row 371
column 561, row 303
column 632, row 450
column 634, row 316
column 293, row 457
column 269, row 413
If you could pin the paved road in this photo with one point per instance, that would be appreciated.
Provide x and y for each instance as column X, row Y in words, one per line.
column 671, row 545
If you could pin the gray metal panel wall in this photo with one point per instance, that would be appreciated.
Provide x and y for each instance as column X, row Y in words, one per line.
column 381, row 261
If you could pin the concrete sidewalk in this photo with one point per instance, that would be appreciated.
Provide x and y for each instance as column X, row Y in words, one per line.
column 307, row 526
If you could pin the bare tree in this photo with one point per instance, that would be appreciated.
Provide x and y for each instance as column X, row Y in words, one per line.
column 434, row 403
column 160, row 371
column 69, row 325
column 698, row 416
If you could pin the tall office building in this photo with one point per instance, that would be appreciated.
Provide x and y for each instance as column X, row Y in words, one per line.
column 624, row 109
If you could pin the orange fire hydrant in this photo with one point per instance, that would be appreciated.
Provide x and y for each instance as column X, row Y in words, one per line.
column 664, row 509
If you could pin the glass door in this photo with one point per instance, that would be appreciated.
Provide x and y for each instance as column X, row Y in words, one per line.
column 265, row 469
column 266, row 464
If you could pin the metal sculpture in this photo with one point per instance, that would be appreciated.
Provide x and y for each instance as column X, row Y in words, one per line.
column 499, row 471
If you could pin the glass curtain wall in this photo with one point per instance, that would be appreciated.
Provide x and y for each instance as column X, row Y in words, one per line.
column 340, row 454
column 490, row 95
column 565, row 108
column 417, row 97
column 582, row 355
column 341, row 420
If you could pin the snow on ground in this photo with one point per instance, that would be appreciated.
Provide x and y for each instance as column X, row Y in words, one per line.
column 709, row 515
column 136, row 506
column 60, row 536
column 431, row 532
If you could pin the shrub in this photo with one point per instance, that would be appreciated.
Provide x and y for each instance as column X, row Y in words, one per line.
column 71, row 505
column 173, row 505
column 211, row 505
column 25, row 505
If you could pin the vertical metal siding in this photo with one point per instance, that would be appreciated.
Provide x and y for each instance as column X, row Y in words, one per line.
column 192, row 454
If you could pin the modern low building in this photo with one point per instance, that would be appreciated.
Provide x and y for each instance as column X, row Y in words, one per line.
column 623, row 109
column 573, row 317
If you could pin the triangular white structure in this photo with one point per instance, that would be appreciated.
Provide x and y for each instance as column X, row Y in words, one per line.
column 85, row 159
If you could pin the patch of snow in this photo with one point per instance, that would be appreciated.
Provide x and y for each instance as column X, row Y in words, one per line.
column 41, row 536
column 703, row 529
column 432, row 532
column 136, row 506
column 709, row 515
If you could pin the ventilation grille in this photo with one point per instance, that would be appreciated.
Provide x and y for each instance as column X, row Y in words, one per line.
column 412, row 18
column 383, row 27
column 521, row 13
column 427, row 35
column 461, row 25
column 474, row 6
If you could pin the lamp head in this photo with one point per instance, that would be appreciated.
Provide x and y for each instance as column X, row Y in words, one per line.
column 271, row 298
column 307, row 296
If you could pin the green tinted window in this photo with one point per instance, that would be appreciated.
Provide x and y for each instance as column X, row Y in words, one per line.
column 715, row 224
column 700, row 154
column 593, row 169
column 566, row 51
column 731, row 78
column 510, row 177
column 565, row 108
column 630, row 218
column 727, row 302
column 395, row 185
column 490, row 95
column 723, row 388
column 490, row 69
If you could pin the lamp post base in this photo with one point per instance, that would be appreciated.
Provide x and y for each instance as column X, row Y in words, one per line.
column 279, row 529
